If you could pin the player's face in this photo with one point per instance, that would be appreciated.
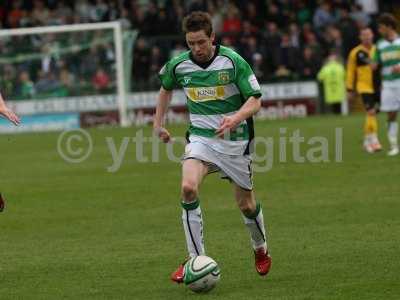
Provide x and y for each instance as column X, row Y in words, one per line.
column 366, row 36
column 200, row 44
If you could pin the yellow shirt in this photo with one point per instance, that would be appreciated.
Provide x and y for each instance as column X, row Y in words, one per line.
column 360, row 76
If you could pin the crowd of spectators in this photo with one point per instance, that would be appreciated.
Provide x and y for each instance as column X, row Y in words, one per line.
column 281, row 39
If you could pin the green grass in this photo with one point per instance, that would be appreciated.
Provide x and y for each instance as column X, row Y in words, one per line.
column 76, row 231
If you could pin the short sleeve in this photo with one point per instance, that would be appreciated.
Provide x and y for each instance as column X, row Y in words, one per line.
column 167, row 77
column 246, row 80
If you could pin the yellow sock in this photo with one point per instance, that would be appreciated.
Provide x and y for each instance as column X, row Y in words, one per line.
column 373, row 124
column 370, row 125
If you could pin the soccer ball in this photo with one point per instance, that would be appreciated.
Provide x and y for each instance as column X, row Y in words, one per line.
column 201, row 274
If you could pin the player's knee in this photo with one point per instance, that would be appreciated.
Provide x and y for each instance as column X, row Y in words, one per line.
column 189, row 190
column 247, row 207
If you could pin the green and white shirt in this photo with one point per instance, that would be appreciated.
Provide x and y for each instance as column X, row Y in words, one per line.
column 213, row 90
column 388, row 55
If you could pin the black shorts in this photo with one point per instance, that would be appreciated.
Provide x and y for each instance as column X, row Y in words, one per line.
column 370, row 100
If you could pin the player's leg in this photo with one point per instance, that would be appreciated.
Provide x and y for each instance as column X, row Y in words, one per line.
column 390, row 103
column 371, row 141
column 393, row 129
column 254, row 220
column 193, row 172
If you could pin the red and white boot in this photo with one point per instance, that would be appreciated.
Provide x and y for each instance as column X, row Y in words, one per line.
column 179, row 273
column 263, row 261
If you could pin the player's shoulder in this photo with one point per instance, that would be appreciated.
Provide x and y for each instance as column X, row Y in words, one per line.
column 382, row 43
column 230, row 53
column 354, row 51
column 179, row 58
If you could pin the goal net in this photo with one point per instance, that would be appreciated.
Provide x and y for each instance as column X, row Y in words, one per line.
column 71, row 69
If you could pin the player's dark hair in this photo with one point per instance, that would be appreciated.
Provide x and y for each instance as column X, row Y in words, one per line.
column 388, row 20
column 196, row 21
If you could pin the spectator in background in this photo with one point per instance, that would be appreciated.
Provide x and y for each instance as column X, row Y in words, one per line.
column 7, row 82
column 90, row 62
column 140, row 72
column 113, row 11
column 333, row 40
column 48, row 62
column 294, row 35
column 252, row 15
column 67, row 80
column 272, row 40
column 274, row 15
column 156, row 62
column 371, row 7
column 26, row 88
column 98, row 12
column 303, row 13
column 308, row 64
column 323, row 16
column 83, row 9
column 359, row 16
column 348, row 29
column 40, row 13
column 216, row 14
column 64, row 12
column 163, row 23
column 16, row 14
column 332, row 76
column 288, row 55
column 313, row 43
column 101, row 81
column 232, row 24
column 43, row 84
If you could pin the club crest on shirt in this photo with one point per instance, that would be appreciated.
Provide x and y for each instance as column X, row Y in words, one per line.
column 223, row 77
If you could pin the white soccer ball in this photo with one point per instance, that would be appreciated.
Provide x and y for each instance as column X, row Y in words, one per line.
column 201, row 274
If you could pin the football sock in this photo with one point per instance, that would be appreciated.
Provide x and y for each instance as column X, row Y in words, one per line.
column 193, row 226
column 255, row 224
column 371, row 129
column 393, row 129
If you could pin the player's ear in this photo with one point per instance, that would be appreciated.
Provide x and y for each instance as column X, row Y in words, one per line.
column 212, row 37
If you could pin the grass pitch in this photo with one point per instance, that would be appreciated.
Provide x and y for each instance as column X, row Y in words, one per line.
column 78, row 231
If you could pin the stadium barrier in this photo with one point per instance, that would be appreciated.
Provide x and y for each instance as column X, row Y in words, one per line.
column 280, row 100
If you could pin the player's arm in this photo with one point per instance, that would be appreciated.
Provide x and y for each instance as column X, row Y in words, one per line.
column 351, row 72
column 8, row 113
column 250, row 108
column 250, row 90
column 164, row 98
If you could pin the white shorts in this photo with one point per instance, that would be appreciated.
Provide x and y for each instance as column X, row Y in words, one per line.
column 390, row 99
column 236, row 168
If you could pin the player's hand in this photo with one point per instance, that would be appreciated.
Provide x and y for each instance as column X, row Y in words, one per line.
column 228, row 124
column 10, row 115
column 162, row 134
column 396, row 69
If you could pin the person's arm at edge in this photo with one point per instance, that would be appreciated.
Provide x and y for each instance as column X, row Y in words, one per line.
column 164, row 98
column 8, row 113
